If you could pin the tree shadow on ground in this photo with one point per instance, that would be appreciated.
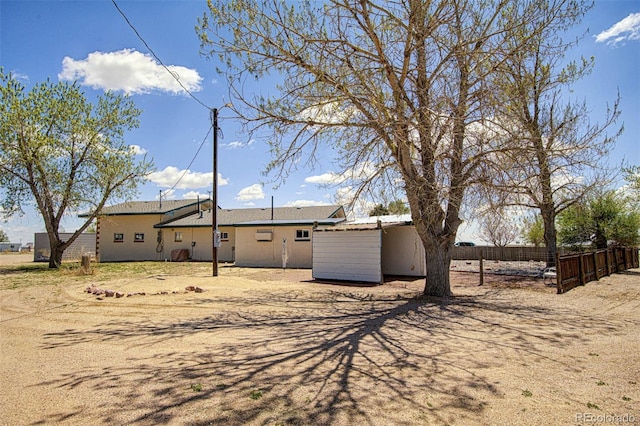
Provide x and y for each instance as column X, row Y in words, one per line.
column 344, row 359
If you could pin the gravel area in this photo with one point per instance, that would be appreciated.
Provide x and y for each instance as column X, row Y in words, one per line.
column 273, row 347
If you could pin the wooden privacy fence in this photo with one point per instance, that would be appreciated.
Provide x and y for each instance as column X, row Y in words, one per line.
column 509, row 253
column 578, row 269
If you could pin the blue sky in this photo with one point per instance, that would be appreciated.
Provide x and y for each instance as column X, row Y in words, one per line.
column 91, row 42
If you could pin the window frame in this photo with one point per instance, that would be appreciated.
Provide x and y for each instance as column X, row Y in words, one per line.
column 303, row 235
column 118, row 237
column 138, row 237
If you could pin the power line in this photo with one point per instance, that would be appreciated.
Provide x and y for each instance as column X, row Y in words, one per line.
column 181, row 85
column 157, row 58
column 193, row 159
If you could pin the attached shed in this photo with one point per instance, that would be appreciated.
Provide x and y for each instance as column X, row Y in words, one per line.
column 366, row 251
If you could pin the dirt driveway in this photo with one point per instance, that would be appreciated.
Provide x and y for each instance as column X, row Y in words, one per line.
column 272, row 347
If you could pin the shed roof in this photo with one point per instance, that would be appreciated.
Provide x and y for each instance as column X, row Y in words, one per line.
column 369, row 223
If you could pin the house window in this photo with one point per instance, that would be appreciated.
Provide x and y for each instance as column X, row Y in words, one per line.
column 302, row 235
column 178, row 237
column 118, row 238
column 138, row 237
column 224, row 236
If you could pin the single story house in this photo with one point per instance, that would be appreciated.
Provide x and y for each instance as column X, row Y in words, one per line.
column 150, row 230
column 10, row 247
column 368, row 249
column 253, row 237
column 125, row 231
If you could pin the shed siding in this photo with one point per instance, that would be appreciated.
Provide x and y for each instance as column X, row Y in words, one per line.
column 347, row 255
column 85, row 244
column 402, row 252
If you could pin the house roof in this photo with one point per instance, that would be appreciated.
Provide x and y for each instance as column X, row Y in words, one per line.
column 261, row 216
column 282, row 222
column 146, row 207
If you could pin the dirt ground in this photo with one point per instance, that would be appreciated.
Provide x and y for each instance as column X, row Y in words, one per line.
column 273, row 347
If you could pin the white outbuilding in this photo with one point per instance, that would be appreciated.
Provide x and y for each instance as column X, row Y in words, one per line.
column 367, row 250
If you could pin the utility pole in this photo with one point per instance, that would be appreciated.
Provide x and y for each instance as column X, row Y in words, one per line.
column 214, row 210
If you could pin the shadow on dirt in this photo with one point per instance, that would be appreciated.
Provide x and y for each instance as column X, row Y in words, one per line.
column 344, row 359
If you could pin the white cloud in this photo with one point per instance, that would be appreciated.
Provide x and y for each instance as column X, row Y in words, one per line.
column 305, row 203
column 362, row 171
column 192, row 195
column 170, row 175
column 24, row 78
column 332, row 113
column 253, row 192
column 137, row 149
column 234, row 145
column 328, row 178
column 130, row 71
column 167, row 194
column 238, row 144
column 626, row 29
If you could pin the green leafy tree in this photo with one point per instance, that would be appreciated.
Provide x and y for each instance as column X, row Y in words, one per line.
column 602, row 220
column 397, row 207
column 3, row 236
column 63, row 153
column 398, row 89
column 533, row 230
column 379, row 210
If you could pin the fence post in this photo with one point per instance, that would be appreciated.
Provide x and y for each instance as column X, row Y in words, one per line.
column 86, row 264
column 481, row 270
column 558, row 274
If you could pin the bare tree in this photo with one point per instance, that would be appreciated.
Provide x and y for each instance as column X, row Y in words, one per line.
column 556, row 155
column 398, row 88
column 497, row 229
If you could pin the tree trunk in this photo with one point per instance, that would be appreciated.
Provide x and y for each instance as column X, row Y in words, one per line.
column 550, row 236
column 55, row 257
column 437, row 283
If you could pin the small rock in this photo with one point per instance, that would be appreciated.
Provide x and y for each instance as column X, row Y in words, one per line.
column 198, row 290
column 109, row 293
column 119, row 294
column 190, row 288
